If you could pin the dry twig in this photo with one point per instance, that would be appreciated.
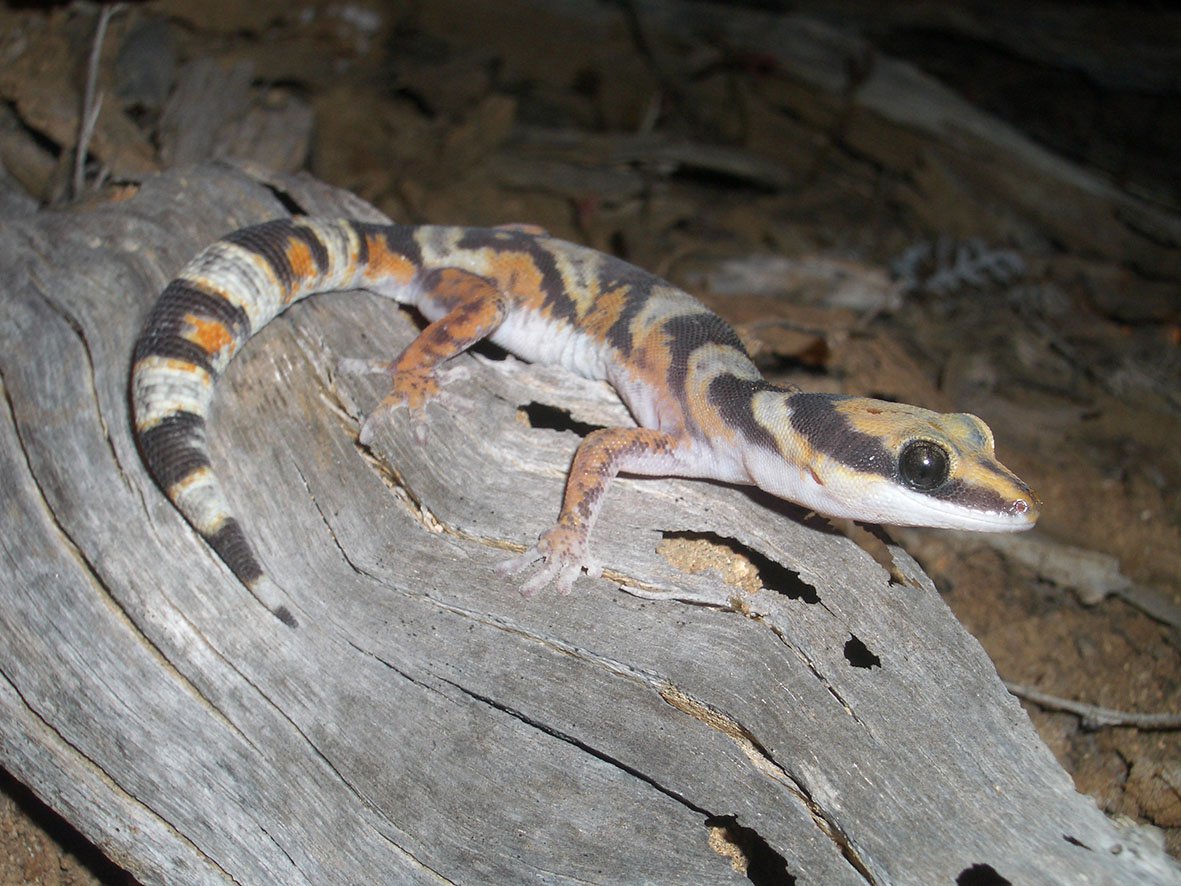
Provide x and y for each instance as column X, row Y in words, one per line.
column 92, row 100
column 1093, row 716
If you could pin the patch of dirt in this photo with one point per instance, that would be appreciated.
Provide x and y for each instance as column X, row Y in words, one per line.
column 38, row 848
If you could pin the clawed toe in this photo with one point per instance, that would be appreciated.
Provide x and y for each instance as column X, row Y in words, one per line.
column 363, row 366
column 455, row 403
column 445, row 375
column 385, row 412
column 563, row 558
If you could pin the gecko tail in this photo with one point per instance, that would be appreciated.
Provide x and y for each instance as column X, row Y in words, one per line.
column 177, row 456
column 230, row 543
column 201, row 320
column 273, row 598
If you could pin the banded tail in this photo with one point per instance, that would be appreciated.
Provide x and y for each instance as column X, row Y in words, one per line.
column 203, row 318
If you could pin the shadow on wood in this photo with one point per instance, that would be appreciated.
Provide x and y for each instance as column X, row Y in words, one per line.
column 426, row 721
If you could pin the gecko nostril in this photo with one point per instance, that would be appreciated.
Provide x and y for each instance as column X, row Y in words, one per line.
column 1027, row 506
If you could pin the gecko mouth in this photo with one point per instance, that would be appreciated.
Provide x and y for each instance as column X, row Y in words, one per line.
column 1017, row 515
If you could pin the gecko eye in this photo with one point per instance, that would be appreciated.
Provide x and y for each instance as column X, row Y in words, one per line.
column 924, row 465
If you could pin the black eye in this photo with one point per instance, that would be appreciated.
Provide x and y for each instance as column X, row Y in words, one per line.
column 923, row 465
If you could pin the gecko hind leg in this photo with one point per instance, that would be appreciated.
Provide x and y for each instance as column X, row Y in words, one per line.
column 475, row 308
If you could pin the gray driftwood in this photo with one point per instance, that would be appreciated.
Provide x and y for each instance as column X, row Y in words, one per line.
column 426, row 722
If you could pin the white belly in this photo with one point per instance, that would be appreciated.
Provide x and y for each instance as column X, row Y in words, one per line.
column 541, row 340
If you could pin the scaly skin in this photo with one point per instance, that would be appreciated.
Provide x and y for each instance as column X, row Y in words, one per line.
column 702, row 407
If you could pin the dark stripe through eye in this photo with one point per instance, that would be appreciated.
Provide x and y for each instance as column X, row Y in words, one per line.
column 818, row 420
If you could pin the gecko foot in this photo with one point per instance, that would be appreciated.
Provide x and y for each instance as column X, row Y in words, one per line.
column 386, row 413
column 565, row 555
column 412, row 391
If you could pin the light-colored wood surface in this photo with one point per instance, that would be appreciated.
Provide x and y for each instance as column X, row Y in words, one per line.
column 425, row 722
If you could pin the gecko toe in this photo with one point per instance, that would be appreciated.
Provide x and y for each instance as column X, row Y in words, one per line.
column 363, row 366
column 368, row 431
column 566, row 578
column 543, row 577
column 564, row 554
column 522, row 561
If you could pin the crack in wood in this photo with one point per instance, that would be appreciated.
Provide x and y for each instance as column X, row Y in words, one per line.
column 581, row 745
column 385, row 662
column 611, row 665
column 781, row 579
column 813, row 669
column 765, row 763
column 79, row 331
column 768, row 858
column 331, row 532
column 672, row 695
column 403, row 492
column 109, row 781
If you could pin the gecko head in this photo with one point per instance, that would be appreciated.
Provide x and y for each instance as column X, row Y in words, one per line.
column 884, row 462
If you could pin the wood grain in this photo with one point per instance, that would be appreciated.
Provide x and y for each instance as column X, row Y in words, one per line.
column 426, row 722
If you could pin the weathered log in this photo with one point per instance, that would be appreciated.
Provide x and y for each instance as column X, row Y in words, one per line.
column 425, row 721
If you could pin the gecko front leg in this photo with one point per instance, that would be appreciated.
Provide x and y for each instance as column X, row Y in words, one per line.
column 564, row 547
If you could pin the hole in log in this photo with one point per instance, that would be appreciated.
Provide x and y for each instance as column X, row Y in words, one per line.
column 286, row 200
column 981, row 875
column 767, row 573
column 858, row 654
column 748, row 852
column 777, row 577
column 539, row 415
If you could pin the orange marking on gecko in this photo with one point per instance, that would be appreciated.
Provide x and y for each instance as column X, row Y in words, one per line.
column 210, row 335
column 385, row 264
column 711, row 425
column 300, row 257
column 605, row 312
column 650, row 362
column 517, row 272
column 452, row 287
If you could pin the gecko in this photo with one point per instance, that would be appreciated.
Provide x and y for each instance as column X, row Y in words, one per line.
column 702, row 408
